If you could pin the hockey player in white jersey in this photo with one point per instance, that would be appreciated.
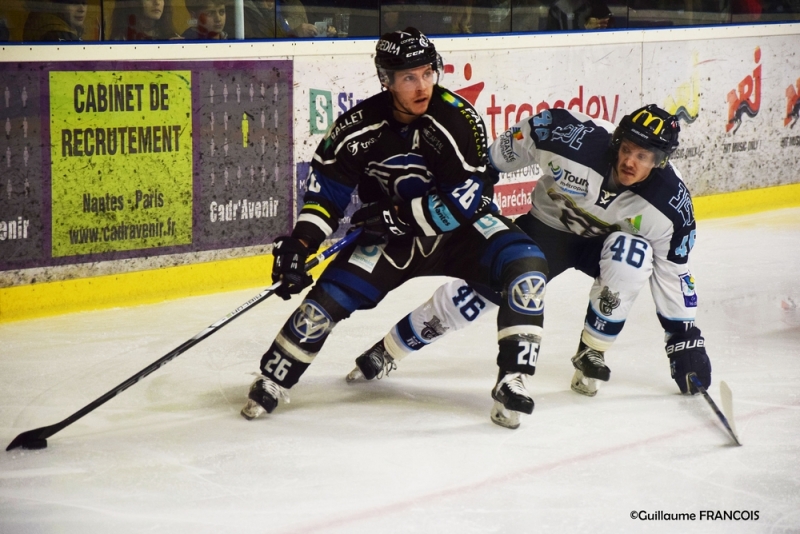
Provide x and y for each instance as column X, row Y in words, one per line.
column 609, row 204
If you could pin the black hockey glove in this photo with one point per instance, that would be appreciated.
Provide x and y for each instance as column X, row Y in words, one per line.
column 289, row 266
column 379, row 222
column 687, row 354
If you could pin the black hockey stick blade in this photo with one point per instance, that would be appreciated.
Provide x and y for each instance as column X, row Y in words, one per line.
column 37, row 438
column 33, row 439
column 696, row 382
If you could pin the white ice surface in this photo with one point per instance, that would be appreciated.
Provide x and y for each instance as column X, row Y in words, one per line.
column 414, row 452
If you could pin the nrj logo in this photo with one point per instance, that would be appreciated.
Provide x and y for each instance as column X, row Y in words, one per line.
column 746, row 98
column 685, row 104
column 792, row 105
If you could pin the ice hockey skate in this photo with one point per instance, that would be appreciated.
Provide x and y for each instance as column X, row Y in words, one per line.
column 590, row 367
column 263, row 398
column 375, row 362
column 511, row 398
column 503, row 417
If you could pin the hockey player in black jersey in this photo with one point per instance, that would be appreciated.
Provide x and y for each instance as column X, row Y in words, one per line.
column 609, row 204
column 417, row 154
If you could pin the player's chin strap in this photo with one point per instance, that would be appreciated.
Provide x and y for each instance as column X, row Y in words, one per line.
column 403, row 111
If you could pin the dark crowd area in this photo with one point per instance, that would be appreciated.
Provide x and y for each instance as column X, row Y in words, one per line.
column 164, row 20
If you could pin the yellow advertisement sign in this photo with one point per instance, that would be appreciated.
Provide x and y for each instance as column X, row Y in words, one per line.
column 121, row 150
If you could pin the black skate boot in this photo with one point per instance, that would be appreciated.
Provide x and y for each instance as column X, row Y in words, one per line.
column 590, row 367
column 263, row 397
column 375, row 362
column 511, row 393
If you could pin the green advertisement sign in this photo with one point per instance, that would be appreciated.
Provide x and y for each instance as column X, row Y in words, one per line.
column 121, row 157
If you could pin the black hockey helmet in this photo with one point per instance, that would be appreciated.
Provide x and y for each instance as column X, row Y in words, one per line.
column 402, row 50
column 652, row 128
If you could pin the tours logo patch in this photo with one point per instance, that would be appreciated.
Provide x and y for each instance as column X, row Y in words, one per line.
column 568, row 182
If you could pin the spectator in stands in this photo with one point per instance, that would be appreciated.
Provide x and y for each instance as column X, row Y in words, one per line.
column 142, row 20
column 746, row 10
column 56, row 20
column 209, row 17
column 260, row 21
column 457, row 16
column 579, row 15
column 399, row 14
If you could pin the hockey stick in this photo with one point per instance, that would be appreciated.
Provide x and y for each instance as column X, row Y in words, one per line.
column 37, row 438
column 725, row 390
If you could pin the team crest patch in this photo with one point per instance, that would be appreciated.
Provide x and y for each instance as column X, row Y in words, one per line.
column 687, row 288
column 608, row 301
column 433, row 328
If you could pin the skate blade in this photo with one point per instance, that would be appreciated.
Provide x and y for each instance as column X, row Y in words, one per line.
column 584, row 386
column 506, row 418
column 354, row 376
column 252, row 410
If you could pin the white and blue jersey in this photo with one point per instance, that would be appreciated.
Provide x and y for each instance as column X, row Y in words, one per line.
column 576, row 194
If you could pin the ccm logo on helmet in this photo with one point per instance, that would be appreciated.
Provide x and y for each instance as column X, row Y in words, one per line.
column 683, row 345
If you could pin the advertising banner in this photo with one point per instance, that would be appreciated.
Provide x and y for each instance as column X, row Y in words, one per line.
column 492, row 81
column 121, row 160
column 22, row 207
column 112, row 160
column 737, row 101
column 243, row 153
column 108, row 160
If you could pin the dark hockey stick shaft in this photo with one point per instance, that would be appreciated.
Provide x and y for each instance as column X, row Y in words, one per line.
column 47, row 431
column 701, row 389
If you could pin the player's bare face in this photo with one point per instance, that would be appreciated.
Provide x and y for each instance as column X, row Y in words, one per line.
column 412, row 90
column 634, row 163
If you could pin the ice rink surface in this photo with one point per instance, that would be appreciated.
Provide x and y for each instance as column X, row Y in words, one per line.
column 414, row 452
